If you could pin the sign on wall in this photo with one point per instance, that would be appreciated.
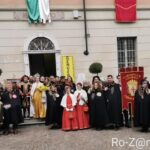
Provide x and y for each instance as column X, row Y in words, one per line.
column 68, row 66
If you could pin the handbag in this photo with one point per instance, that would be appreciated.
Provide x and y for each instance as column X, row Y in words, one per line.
column 71, row 116
column 85, row 108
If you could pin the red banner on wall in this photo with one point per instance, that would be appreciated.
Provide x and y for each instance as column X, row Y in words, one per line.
column 130, row 80
column 125, row 10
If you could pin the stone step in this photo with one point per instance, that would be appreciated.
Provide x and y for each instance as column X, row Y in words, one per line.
column 32, row 122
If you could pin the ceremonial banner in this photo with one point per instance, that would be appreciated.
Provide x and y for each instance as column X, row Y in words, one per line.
column 130, row 80
column 125, row 10
column 68, row 66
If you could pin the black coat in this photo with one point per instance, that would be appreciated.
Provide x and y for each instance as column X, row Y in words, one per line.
column 1, row 114
column 141, row 109
column 114, row 104
column 54, row 110
column 13, row 114
column 98, row 111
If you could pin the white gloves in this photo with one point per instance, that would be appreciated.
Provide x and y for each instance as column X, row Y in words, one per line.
column 7, row 106
column 67, row 109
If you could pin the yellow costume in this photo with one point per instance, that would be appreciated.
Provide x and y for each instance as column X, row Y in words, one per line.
column 37, row 99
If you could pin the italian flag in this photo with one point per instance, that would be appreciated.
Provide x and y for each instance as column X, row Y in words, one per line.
column 38, row 11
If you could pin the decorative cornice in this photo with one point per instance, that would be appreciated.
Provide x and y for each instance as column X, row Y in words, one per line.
column 94, row 8
column 55, row 15
column 41, row 51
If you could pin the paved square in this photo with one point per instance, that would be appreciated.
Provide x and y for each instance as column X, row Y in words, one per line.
column 39, row 137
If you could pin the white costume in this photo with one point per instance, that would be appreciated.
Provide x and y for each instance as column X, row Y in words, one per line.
column 33, row 88
column 83, row 95
column 64, row 101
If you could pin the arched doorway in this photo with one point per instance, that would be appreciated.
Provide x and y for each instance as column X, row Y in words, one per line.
column 42, row 63
column 41, row 55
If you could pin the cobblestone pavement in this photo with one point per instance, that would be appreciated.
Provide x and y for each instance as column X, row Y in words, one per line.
column 39, row 137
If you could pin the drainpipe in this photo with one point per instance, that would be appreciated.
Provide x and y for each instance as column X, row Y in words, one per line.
column 86, row 52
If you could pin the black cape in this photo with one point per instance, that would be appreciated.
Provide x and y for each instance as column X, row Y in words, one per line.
column 13, row 115
column 114, row 104
column 1, row 113
column 141, row 110
column 98, row 111
column 54, row 110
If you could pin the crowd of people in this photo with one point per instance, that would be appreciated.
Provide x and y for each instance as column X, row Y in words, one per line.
column 69, row 106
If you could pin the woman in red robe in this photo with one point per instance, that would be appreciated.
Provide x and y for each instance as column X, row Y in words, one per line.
column 82, row 108
column 69, row 119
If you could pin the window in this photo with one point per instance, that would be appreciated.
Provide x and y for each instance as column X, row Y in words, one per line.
column 126, row 51
column 41, row 43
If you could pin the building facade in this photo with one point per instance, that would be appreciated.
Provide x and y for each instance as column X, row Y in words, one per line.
column 112, row 44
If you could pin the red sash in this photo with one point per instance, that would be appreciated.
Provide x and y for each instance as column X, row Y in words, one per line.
column 69, row 102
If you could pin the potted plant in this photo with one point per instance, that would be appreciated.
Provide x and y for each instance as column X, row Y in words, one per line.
column 96, row 68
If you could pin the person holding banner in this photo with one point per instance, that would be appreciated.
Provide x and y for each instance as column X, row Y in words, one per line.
column 125, row 114
column 142, row 107
column 69, row 118
column 114, row 104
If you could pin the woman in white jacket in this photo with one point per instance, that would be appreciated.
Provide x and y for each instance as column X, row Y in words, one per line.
column 82, row 108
